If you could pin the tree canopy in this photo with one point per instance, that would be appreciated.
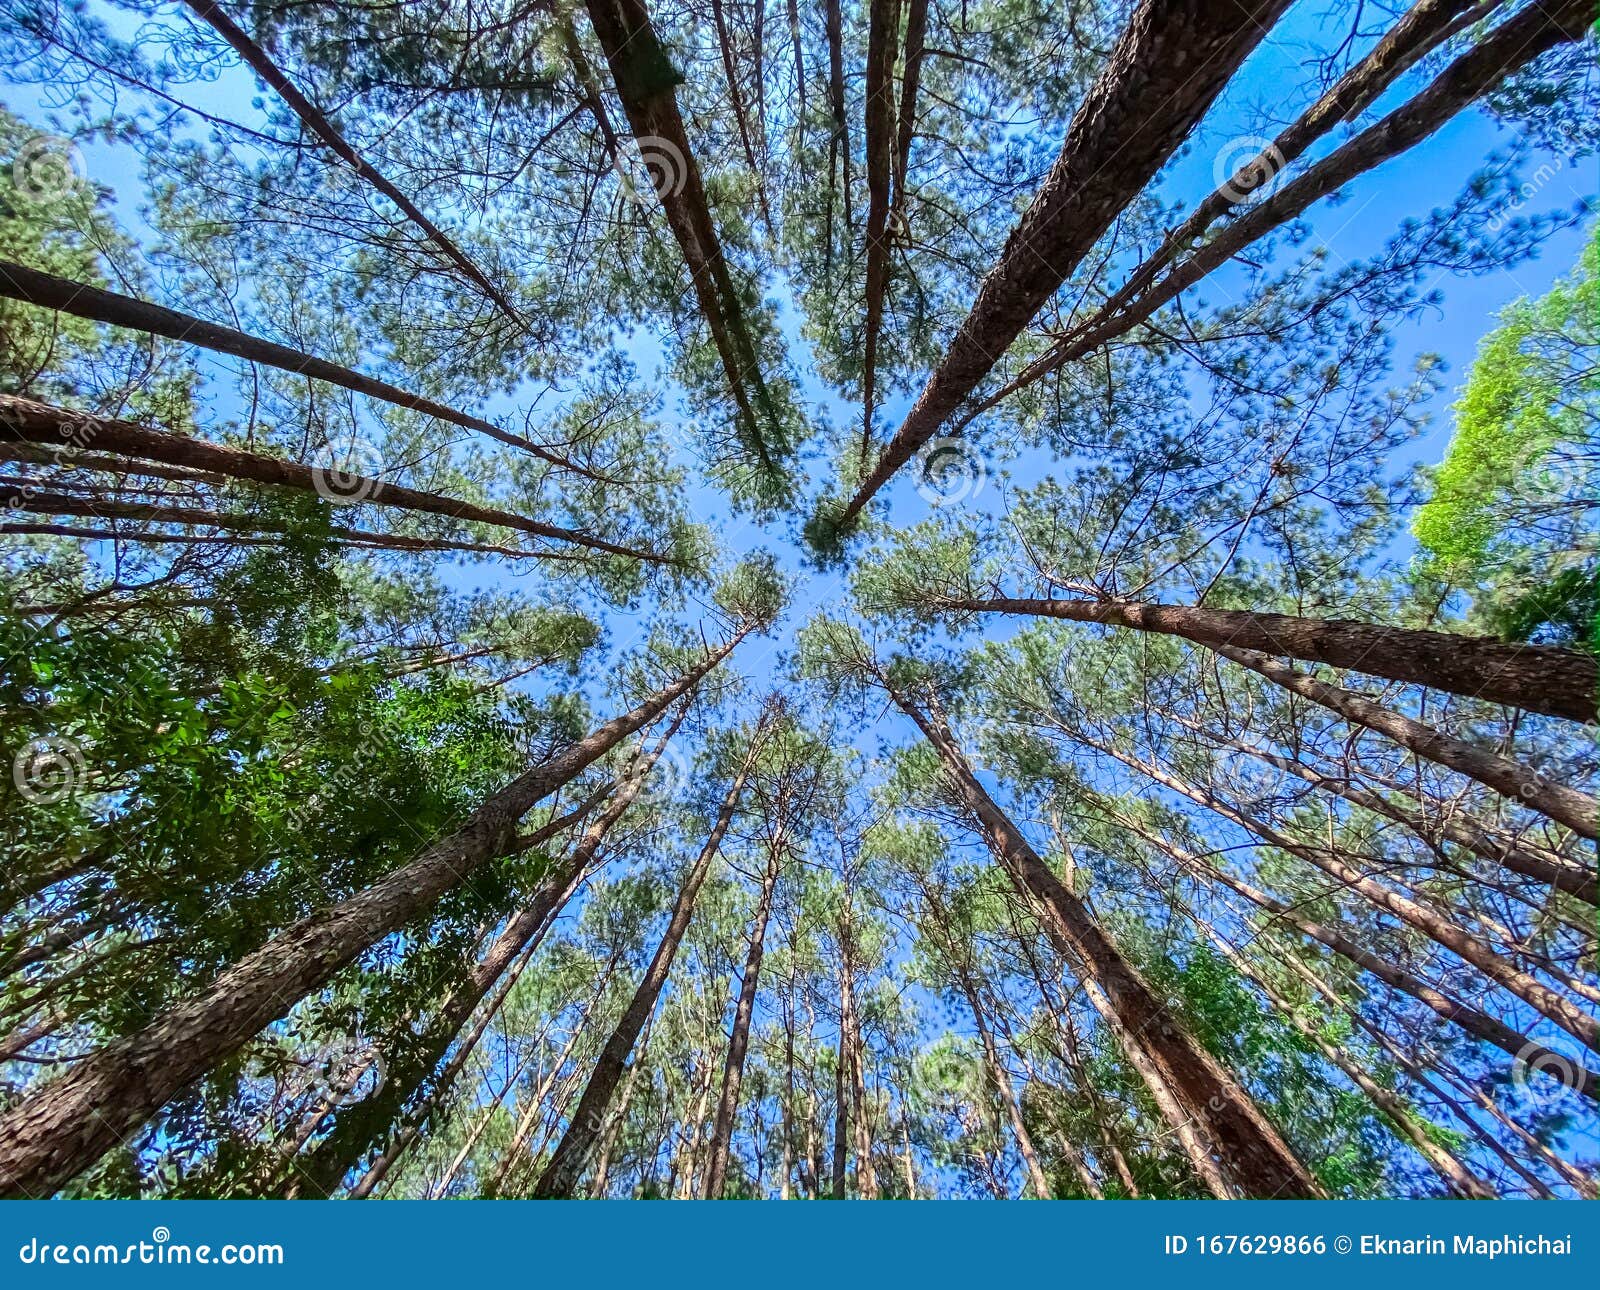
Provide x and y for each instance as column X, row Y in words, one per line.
column 799, row 601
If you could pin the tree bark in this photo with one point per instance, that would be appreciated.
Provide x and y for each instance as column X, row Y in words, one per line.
column 17, row 282
column 1462, row 1182
column 883, row 30
column 739, row 1040
column 1576, row 810
column 1503, row 972
column 1541, row 867
column 1170, row 63
column 645, row 78
column 1476, row 1023
column 25, row 420
column 1539, row 678
column 577, row 1146
column 365, row 1123
column 58, row 1132
column 1512, row 45
column 910, row 82
column 318, row 123
column 1232, row 1146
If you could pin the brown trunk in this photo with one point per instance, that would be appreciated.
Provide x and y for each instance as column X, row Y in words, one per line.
column 315, row 121
column 536, row 1097
column 365, row 1123
column 39, row 423
column 839, row 145
column 1547, row 1002
column 1008, row 1093
column 1541, row 866
column 644, row 78
column 1424, row 1080
column 793, row 8
column 1170, row 63
column 739, row 1040
column 1232, row 1146
column 81, row 300
column 1512, row 45
column 1540, row 678
column 883, row 19
column 523, row 932
column 240, row 526
column 573, row 1154
column 618, row 1119
column 1462, row 1182
column 910, row 81
column 1478, row 1024
column 52, row 1136
column 730, row 69
column 1576, row 810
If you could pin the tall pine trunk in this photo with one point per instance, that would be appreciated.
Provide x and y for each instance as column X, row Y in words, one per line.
column 572, row 1155
column 1233, row 1147
column 739, row 1040
column 66, row 1126
column 1539, row 678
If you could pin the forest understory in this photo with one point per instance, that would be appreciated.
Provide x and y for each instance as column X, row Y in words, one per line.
column 748, row 599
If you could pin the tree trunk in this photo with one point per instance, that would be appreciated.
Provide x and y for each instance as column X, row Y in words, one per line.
column 1008, row 1093
column 1542, row 867
column 1462, row 1182
column 644, row 78
column 1479, row 1025
column 883, row 18
column 84, row 301
column 1230, row 1143
column 739, row 1040
column 1540, row 678
column 1509, row 47
column 730, row 69
column 1548, row 1003
column 33, row 422
column 55, row 1134
column 315, row 121
column 1170, row 63
column 910, row 81
column 364, row 1123
column 577, row 1146
column 1576, row 810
